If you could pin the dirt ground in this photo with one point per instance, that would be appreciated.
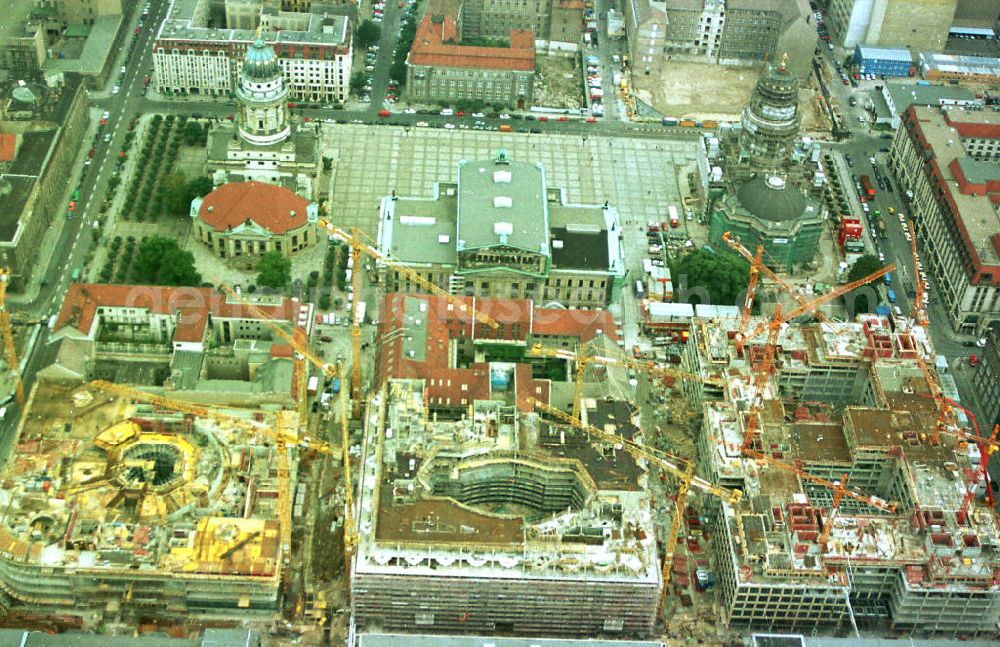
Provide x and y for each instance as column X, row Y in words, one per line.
column 557, row 83
column 719, row 93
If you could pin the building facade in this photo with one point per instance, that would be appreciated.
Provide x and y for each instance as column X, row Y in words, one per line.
column 252, row 218
column 497, row 18
column 34, row 184
column 441, row 69
column 501, row 232
column 891, row 23
column 314, row 51
column 883, row 61
column 986, row 381
column 959, row 69
column 263, row 145
column 645, row 33
column 952, row 197
column 567, row 21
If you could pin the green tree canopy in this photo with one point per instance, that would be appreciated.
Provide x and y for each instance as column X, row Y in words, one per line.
column 358, row 81
column 161, row 262
column 368, row 34
column 275, row 270
column 199, row 187
column 175, row 200
column 723, row 277
column 862, row 267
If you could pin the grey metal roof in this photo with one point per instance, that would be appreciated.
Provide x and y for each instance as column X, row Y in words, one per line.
column 769, row 198
column 484, row 188
column 885, row 53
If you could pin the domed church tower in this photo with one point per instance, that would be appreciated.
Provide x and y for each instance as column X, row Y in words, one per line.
column 263, row 97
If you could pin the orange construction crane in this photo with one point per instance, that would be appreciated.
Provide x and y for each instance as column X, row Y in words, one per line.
column 789, row 289
column 824, row 536
column 773, row 328
column 987, row 447
column 582, row 361
column 918, row 311
column 756, row 262
column 10, row 351
column 686, row 476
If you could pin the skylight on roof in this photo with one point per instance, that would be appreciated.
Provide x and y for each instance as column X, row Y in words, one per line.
column 502, row 176
column 502, row 202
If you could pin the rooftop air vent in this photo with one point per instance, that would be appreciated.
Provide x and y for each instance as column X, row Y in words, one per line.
column 503, row 228
column 502, row 202
column 502, row 176
column 557, row 244
column 444, row 238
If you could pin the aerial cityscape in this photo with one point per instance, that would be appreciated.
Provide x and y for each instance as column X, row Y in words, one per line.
column 499, row 323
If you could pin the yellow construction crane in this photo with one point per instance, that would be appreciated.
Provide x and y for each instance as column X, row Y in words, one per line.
column 356, row 322
column 686, row 477
column 10, row 352
column 284, row 433
column 918, row 311
column 582, row 361
column 670, row 546
column 355, row 242
column 293, row 340
column 350, row 533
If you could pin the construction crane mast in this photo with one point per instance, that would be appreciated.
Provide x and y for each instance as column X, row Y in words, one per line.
column 10, row 351
column 824, row 536
column 917, row 310
column 356, row 375
column 686, row 477
column 350, row 533
column 582, row 361
column 773, row 329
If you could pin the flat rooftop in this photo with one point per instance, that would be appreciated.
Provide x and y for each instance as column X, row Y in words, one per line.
column 182, row 23
column 977, row 214
column 470, row 495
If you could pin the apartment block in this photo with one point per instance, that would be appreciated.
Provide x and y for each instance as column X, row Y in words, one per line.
column 494, row 19
column 35, row 177
column 890, row 23
column 314, row 50
column 645, row 32
column 440, row 68
column 940, row 159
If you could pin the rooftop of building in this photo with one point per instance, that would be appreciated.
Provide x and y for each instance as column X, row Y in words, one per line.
column 557, row 487
column 904, row 94
column 191, row 306
column 977, row 214
column 8, row 144
column 502, row 202
column 885, row 53
column 186, row 23
column 957, row 64
column 271, row 207
column 108, row 451
column 93, row 51
column 436, row 44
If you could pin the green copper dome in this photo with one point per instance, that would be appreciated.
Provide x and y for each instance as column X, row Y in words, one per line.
column 261, row 63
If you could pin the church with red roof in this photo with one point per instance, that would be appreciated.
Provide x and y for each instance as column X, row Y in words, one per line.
column 252, row 218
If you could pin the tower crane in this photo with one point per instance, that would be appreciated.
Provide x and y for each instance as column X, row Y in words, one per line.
column 430, row 286
column 824, row 536
column 773, row 329
column 350, row 533
column 356, row 322
column 917, row 311
column 296, row 342
column 652, row 368
column 768, row 272
column 10, row 351
column 747, row 309
column 686, row 476
column 282, row 435
column 946, row 413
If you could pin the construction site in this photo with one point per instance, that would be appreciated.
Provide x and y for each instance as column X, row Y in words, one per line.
column 120, row 513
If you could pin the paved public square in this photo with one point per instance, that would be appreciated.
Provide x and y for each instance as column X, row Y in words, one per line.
column 637, row 176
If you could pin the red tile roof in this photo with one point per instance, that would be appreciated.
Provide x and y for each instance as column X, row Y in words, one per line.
column 8, row 146
column 436, row 44
column 193, row 306
column 268, row 205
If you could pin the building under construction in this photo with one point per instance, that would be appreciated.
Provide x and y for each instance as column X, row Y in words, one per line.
column 860, row 500
column 119, row 512
column 500, row 523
